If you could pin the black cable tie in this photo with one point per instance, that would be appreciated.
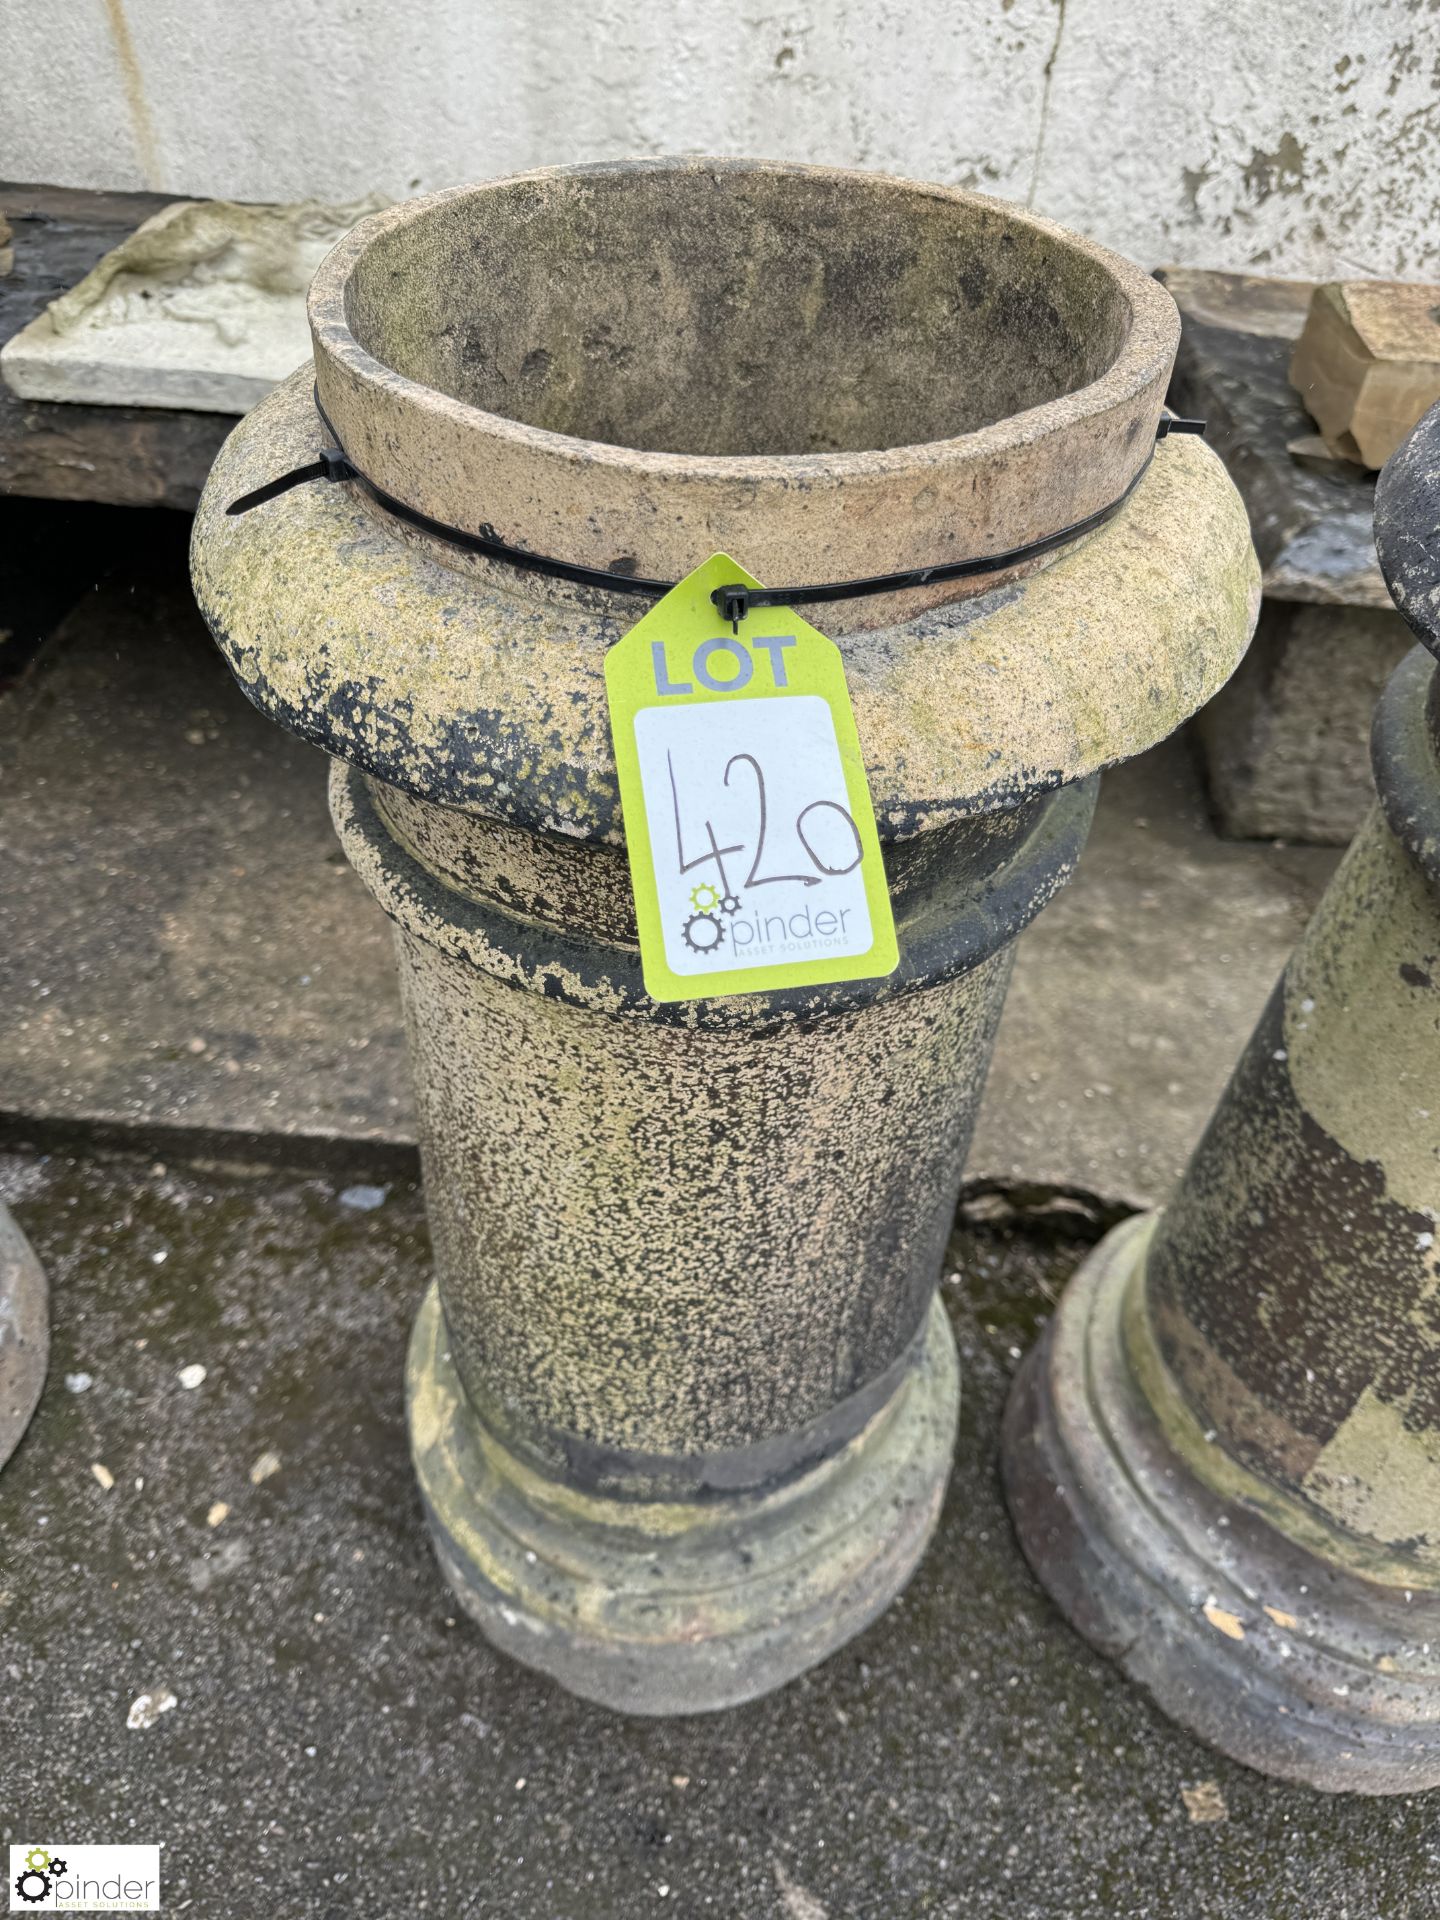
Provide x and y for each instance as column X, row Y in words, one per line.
column 734, row 604
column 332, row 465
column 733, row 600
column 727, row 597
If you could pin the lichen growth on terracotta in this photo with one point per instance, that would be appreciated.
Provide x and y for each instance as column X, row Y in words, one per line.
column 490, row 696
column 687, row 1256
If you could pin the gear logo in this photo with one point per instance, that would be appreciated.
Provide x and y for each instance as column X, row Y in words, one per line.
column 702, row 932
column 41, row 1867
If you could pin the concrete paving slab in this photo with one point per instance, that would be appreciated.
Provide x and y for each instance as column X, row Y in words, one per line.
column 187, row 951
column 341, row 1744
column 1134, row 992
column 189, row 958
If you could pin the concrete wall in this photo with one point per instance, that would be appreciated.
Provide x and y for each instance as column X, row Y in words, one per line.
column 1289, row 135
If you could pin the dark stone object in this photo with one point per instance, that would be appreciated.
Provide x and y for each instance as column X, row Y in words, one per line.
column 1223, row 1459
column 24, row 1333
column 1407, row 529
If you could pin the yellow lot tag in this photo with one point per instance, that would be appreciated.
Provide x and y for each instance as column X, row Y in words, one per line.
column 751, row 837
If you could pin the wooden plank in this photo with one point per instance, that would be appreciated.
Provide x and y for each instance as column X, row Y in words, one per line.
column 126, row 456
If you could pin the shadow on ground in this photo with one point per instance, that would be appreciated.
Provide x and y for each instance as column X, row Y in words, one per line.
column 342, row 1745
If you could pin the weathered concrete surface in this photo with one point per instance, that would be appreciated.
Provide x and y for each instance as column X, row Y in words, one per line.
column 235, row 922
column 1223, row 1457
column 1407, row 505
column 1270, row 136
column 689, row 1422
column 1286, row 741
column 343, row 1744
column 888, row 375
column 1134, row 992
column 332, row 622
column 185, row 949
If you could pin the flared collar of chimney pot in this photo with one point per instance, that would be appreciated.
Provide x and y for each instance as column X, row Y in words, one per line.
column 824, row 372
column 620, row 301
column 1407, row 528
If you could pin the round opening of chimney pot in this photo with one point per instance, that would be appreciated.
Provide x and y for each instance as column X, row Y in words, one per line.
column 737, row 311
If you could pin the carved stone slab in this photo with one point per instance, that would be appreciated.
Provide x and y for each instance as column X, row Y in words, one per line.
column 54, row 450
column 202, row 307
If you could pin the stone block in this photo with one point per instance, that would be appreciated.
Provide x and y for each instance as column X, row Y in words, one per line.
column 1368, row 364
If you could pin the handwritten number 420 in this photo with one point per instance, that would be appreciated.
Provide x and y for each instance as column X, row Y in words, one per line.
column 755, row 878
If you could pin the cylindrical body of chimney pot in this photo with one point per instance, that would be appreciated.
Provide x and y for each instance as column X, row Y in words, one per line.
column 682, row 1398
column 1224, row 1457
column 687, row 1418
